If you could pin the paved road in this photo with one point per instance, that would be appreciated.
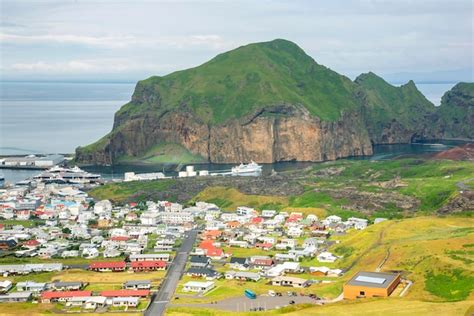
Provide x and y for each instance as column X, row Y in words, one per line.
column 176, row 270
column 243, row 304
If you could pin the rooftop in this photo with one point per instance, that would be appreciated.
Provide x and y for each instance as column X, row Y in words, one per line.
column 373, row 279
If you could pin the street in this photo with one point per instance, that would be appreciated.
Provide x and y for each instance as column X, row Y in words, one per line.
column 175, row 271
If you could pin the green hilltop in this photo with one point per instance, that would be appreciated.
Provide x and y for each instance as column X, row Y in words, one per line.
column 238, row 82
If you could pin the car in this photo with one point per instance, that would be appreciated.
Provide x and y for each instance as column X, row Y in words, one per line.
column 292, row 302
column 271, row 293
column 289, row 293
column 294, row 293
column 279, row 294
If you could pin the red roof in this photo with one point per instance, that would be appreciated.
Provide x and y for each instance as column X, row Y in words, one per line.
column 119, row 238
column 264, row 245
column 124, row 293
column 133, row 204
column 214, row 252
column 148, row 264
column 257, row 220
column 107, row 264
column 207, row 244
column 32, row 242
column 51, row 294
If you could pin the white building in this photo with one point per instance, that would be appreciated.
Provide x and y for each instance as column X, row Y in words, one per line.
column 194, row 286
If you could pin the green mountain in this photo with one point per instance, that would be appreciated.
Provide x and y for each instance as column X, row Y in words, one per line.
column 455, row 116
column 264, row 102
column 393, row 114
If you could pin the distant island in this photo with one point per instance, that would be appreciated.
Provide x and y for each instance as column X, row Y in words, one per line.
column 271, row 102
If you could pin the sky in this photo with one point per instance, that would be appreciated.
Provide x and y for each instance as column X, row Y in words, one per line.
column 425, row 40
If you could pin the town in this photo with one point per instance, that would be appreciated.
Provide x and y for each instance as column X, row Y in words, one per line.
column 61, row 247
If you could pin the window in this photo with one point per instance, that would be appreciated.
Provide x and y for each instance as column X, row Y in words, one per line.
column 362, row 293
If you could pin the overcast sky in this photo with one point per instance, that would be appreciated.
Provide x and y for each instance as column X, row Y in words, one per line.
column 129, row 40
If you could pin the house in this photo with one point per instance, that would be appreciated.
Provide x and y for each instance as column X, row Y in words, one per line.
column 103, row 266
column 268, row 213
column 111, row 253
column 200, row 261
column 137, row 285
column 52, row 296
column 212, row 234
column 125, row 293
column 207, row 273
column 285, row 256
column 66, row 286
column 90, row 253
column 200, row 287
column 239, row 263
column 290, row 281
column 310, row 242
column 319, row 271
column 292, row 267
column 70, row 254
column 5, row 286
column 129, row 301
column 243, row 276
column 7, row 244
column 140, row 266
column 238, row 243
column 245, row 211
column 326, row 257
column 94, row 302
column 15, row 297
column 371, row 284
column 261, row 261
column 264, row 246
column 150, row 257
column 30, row 286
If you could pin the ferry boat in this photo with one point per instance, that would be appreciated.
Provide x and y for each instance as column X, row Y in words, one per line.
column 73, row 175
column 251, row 169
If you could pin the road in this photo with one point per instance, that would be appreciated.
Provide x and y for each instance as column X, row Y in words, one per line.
column 176, row 270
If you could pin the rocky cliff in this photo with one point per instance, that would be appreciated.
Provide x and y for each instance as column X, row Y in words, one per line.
column 278, row 133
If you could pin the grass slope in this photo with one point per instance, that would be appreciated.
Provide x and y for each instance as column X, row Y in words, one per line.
column 240, row 81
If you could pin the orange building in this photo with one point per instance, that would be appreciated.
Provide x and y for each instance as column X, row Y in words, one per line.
column 371, row 284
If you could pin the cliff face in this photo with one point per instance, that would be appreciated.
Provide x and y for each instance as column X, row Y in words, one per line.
column 279, row 133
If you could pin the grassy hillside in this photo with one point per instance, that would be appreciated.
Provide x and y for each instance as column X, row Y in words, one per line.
column 235, row 83
column 456, row 113
column 384, row 104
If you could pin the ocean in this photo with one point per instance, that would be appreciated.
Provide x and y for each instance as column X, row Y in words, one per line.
column 57, row 117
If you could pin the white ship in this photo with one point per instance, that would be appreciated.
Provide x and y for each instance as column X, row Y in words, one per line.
column 251, row 169
column 73, row 175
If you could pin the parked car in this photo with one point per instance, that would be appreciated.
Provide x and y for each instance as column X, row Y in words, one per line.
column 271, row 293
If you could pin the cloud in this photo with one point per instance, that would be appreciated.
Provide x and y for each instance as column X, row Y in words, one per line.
column 117, row 41
column 87, row 66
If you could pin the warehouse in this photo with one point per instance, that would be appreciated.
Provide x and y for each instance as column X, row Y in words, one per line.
column 371, row 284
